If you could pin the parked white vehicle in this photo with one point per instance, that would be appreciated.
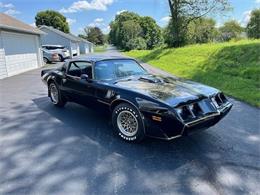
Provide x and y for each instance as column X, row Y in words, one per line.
column 50, row 56
column 62, row 51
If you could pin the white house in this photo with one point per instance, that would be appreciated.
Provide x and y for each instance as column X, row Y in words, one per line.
column 20, row 48
column 56, row 37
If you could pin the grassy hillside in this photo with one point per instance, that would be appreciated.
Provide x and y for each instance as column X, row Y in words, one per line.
column 233, row 67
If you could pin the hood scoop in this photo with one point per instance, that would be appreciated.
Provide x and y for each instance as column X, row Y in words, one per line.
column 150, row 79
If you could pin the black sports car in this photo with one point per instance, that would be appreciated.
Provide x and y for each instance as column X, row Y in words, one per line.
column 141, row 104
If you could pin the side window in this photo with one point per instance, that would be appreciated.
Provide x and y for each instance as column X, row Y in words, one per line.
column 83, row 65
column 78, row 68
column 73, row 67
column 86, row 68
column 103, row 72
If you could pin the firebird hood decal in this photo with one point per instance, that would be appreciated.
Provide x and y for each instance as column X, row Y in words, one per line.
column 169, row 90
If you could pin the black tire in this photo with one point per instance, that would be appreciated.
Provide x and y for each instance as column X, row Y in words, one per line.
column 45, row 60
column 61, row 59
column 135, row 117
column 60, row 101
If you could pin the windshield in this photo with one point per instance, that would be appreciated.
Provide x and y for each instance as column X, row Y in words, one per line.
column 117, row 69
column 53, row 47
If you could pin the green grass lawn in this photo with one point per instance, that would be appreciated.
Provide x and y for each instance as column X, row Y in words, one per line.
column 100, row 48
column 232, row 67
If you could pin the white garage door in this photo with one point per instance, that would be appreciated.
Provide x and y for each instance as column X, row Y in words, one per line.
column 20, row 52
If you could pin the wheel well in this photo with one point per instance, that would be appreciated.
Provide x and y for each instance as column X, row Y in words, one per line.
column 117, row 102
column 46, row 58
column 61, row 57
column 50, row 81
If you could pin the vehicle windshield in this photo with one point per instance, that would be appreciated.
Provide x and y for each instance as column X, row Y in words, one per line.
column 54, row 47
column 117, row 69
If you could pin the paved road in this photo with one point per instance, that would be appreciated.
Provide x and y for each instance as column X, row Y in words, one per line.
column 47, row 150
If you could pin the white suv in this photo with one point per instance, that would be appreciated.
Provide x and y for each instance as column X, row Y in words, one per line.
column 62, row 51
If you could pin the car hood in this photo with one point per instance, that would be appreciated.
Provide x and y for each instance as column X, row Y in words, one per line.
column 170, row 90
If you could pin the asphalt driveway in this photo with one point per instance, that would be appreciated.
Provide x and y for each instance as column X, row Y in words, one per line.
column 48, row 150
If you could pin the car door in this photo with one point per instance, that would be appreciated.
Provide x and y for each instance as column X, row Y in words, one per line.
column 77, row 89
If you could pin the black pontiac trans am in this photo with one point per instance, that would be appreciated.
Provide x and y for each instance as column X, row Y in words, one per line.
column 141, row 104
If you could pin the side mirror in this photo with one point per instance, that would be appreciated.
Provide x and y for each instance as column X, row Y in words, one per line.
column 84, row 77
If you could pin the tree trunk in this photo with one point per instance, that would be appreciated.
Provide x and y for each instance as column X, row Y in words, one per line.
column 174, row 8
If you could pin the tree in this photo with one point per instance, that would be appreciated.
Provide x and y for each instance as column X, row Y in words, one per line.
column 130, row 26
column 52, row 18
column 151, row 32
column 202, row 30
column 130, row 30
column 116, row 35
column 253, row 27
column 230, row 30
column 94, row 35
column 185, row 11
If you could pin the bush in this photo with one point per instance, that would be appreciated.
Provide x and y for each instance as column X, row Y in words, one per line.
column 136, row 44
column 230, row 30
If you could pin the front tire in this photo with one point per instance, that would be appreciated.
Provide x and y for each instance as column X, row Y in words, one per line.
column 61, row 59
column 56, row 97
column 128, row 123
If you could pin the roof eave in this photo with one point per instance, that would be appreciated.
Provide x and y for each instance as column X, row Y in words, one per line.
column 5, row 27
column 59, row 33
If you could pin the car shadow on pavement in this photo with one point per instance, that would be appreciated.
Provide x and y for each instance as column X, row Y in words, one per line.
column 73, row 150
column 116, row 164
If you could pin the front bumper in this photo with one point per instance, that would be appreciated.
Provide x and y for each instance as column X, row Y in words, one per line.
column 174, row 129
column 207, row 121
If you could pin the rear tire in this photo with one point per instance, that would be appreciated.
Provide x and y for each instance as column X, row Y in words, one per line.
column 55, row 95
column 128, row 123
column 45, row 60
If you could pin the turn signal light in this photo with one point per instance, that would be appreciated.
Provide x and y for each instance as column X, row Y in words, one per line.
column 157, row 118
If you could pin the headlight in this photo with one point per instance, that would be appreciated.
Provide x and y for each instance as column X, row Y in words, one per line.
column 219, row 99
column 189, row 111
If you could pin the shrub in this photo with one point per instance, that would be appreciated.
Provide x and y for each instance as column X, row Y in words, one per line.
column 136, row 44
